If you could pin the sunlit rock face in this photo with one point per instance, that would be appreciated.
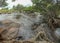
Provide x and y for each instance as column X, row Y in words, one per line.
column 57, row 33
column 26, row 22
column 20, row 28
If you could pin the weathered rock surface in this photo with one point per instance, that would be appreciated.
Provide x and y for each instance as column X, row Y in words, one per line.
column 26, row 27
column 9, row 29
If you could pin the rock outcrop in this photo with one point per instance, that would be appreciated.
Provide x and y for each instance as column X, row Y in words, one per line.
column 8, row 29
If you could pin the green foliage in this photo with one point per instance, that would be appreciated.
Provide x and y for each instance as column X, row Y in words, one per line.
column 18, row 7
column 30, row 8
column 42, row 6
column 6, row 10
column 3, row 3
column 46, row 7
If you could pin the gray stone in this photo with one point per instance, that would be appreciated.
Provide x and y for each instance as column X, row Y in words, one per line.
column 57, row 33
